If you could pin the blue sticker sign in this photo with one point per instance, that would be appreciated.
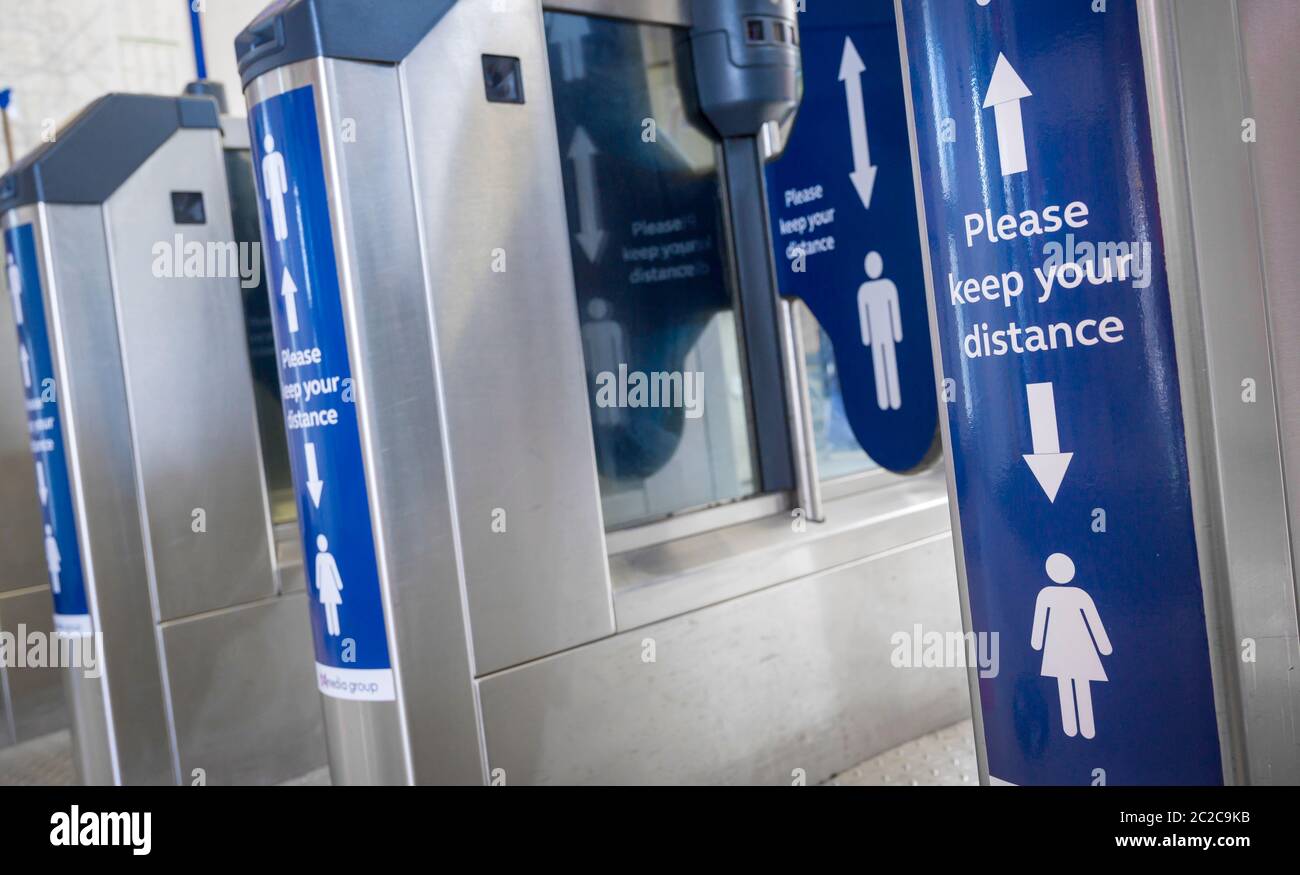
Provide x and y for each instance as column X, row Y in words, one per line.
column 1068, row 449
column 843, row 208
column 352, row 660
column 45, row 432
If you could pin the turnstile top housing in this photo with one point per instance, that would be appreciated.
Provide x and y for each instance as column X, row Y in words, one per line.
column 294, row 30
column 100, row 148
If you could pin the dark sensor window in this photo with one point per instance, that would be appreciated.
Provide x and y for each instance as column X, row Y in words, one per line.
column 503, row 79
column 754, row 30
column 187, row 208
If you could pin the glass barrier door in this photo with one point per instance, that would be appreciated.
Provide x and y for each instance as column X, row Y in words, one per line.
column 668, row 397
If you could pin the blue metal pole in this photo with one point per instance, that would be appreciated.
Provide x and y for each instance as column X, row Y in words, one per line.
column 196, row 30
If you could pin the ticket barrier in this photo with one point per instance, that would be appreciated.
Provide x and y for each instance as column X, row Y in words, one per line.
column 155, row 484
column 523, row 568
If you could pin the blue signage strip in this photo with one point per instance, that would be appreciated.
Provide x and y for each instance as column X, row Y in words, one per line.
column 843, row 208
column 352, row 660
column 45, row 432
column 1068, row 447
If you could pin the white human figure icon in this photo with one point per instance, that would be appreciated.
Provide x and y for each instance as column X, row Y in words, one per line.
column 882, row 328
column 275, row 182
column 53, row 559
column 330, row 584
column 1068, row 629
column 15, row 286
column 603, row 349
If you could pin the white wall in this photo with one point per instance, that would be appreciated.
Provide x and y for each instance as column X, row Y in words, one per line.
column 58, row 55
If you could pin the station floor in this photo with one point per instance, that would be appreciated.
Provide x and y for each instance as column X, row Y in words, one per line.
column 943, row 757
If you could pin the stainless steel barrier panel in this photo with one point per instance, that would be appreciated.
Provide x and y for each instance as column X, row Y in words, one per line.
column 462, row 205
column 158, row 536
column 1101, row 329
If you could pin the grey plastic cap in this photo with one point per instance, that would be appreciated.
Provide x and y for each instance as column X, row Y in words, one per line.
column 100, row 148
column 289, row 31
column 745, row 79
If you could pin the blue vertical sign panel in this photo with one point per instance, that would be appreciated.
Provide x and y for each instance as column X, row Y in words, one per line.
column 1068, row 447
column 45, row 433
column 352, row 660
column 843, row 208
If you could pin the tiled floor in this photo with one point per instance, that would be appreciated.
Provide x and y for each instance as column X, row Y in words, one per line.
column 940, row 758
column 943, row 757
column 48, row 761
column 42, row 761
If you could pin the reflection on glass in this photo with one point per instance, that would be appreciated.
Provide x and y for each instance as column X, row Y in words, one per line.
column 838, row 451
column 261, row 345
column 659, row 334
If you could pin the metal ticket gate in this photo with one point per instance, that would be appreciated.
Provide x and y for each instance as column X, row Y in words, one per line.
column 144, row 430
column 488, row 224
column 1106, row 296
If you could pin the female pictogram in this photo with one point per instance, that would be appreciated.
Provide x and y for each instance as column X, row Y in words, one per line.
column 329, row 584
column 1068, row 629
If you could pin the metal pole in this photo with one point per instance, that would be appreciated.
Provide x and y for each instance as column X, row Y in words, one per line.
column 4, row 116
column 196, row 32
column 807, row 477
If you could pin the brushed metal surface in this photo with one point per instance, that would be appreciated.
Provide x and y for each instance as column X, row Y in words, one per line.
column 189, row 389
column 518, row 427
column 797, row 676
column 33, row 697
column 367, row 747
column 667, row 579
column 120, row 720
column 243, row 695
column 288, row 559
column 159, row 420
column 431, row 733
column 1225, row 340
column 1270, row 31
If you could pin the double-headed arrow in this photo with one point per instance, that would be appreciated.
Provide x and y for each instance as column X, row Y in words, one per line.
column 1006, row 90
column 582, row 152
column 566, row 33
column 863, row 176
column 1047, row 461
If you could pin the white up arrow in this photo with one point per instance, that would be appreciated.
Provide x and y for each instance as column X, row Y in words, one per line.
column 27, row 366
column 582, row 152
column 315, row 485
column 864, row 174
column 1006, row 90
column 42, row 488
column 288, row 290
column 1047, row 461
